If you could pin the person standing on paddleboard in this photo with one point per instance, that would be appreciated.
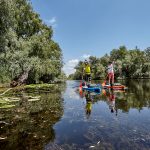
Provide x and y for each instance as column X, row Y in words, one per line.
column 87, row 72
column 110, row 73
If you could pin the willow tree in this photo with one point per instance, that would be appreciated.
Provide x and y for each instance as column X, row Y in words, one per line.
column 27, row 50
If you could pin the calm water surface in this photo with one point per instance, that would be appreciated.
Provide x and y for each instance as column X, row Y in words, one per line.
column 67, row 118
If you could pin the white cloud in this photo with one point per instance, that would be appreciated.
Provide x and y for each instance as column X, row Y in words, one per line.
column 69, row 66
column 52, row 22
column 86, row 56
column 73, row 62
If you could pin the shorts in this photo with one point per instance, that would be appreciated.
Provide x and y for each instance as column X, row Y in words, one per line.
column 111, row 75
column 87, row 77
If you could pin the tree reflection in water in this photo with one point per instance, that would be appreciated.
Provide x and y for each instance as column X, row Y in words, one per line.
column 71, row 123
column 29, row 125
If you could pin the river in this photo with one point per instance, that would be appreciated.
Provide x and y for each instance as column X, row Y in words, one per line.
column 68, row 119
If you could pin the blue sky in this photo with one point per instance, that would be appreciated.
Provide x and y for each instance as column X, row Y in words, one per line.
column 95, row 27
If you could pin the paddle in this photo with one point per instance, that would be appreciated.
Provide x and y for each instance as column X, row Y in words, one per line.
column 81, row 80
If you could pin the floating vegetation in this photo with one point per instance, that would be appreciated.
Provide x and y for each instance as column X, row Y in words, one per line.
column 31, row 119
column 4, row 92
column 2, row 101
column 9, row 99
column 6, row 102
column 33, row 99
column 39, row 86
column 7, row 106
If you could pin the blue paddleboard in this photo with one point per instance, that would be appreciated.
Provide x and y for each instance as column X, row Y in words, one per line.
column 92, row 88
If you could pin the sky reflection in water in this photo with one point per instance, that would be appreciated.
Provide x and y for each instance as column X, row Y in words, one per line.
column 68, row 119
column 115, row 120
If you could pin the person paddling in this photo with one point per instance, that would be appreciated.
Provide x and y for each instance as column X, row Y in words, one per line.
column 110, row 73
column 87, row 72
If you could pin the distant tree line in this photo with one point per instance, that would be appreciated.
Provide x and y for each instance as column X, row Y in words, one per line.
column 27, row 51
column 134, row 63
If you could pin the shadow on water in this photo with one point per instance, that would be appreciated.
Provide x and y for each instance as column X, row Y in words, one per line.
column 29, row 124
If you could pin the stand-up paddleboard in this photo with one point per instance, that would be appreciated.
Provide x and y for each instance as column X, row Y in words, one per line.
column 116, row 86
column 92, row 88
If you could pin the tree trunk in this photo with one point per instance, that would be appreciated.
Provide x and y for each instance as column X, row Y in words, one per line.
column 21, row 79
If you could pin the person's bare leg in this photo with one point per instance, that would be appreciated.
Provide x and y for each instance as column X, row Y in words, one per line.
column 109, row 78
column 112, row 78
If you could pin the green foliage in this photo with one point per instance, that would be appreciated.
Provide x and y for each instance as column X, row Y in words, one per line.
column 118, row 53
column 133, row 63
column 26, row 44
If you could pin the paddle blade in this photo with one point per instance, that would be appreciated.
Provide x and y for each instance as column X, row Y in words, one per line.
column 104, row 83
column 80, row 84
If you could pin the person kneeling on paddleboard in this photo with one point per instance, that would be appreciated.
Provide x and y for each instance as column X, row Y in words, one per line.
column 110, row 73
column 87, row 72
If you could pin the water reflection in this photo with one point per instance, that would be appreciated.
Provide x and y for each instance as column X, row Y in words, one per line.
column 89, row 101
column 88, row 120
column 29, row 125
column 74, row 119
column 111, row 100
column 139, row 94
column 91, row 98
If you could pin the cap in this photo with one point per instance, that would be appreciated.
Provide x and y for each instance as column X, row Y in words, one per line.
column 85, row 61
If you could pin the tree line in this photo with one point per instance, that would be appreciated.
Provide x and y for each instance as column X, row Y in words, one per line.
column 129, row 63
column 27, row 51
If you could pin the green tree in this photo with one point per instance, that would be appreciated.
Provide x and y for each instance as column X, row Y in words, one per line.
column 26, row 44
column 132, row 63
